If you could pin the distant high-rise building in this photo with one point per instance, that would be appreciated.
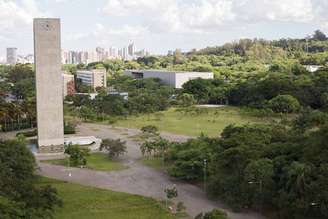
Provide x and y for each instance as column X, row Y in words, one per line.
column 131, row 49
column 100, row 53
column 11, row 56
column 125, row 53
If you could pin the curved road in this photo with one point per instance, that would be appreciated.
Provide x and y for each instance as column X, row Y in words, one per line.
column 137, row 179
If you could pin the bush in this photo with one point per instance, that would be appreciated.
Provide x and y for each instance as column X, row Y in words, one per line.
column 69, row 128
column 284, row 104
column 28, row 133
column 214, row 214
column 150, row 129
column 77, row 155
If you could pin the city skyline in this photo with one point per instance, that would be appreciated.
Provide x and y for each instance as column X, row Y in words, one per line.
column 83, row 56
column 159, row 25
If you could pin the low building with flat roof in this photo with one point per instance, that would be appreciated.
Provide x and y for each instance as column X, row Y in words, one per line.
column 172, row 78
column 93, row 78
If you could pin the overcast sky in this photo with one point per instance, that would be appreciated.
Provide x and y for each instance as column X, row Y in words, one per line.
column 160, row 25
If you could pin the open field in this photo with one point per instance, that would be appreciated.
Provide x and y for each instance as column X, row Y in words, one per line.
column 211, row 122
column 95, row 161
column 81, row 202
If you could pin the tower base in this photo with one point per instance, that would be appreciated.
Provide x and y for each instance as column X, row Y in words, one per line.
column 52, row 149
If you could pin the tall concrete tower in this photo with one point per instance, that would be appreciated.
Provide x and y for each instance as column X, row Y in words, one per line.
column 49, row 98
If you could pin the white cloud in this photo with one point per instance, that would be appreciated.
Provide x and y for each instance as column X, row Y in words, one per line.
column 277, row 10
column 127, row 31
column 13, row 15
column 104, row 35
column 206, row 15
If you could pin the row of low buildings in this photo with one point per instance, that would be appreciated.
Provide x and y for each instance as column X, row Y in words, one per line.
column 98, row 78
column 173, row 78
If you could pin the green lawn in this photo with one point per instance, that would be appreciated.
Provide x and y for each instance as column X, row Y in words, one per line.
column 81, row 202
column 95, row 161
column 211, row 123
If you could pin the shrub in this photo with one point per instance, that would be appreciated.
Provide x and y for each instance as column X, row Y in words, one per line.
column 28, row 133
column 69, row 128
column 77, row 155
column 150, row 129
column 214, row 214
column 284, row 104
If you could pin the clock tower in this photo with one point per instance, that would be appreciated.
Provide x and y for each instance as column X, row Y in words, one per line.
column 47, row 58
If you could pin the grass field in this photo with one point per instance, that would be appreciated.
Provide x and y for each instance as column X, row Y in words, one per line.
column 81, row 202
column 95, row 161
column 210, row 123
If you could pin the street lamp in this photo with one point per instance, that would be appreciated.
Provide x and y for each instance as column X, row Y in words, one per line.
column 260, row 183
column 205, row 165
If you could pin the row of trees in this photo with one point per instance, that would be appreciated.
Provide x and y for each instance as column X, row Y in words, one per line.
column 279, row 167
column 17, row 97
column 265, row 90
column 144, row 96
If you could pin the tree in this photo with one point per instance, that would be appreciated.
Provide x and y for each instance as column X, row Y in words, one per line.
column 186, row 100
column 284, row 104
column 21, row 193
column 171, row 192
column 199, row 88
column 77, row 155
column 115, row 148
column 319, row 35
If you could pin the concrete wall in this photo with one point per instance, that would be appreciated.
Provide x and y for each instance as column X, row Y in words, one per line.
column 172, row 78
column 49, row 91
column 183, row 77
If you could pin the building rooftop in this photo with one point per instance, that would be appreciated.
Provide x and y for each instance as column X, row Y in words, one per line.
column 164, row 71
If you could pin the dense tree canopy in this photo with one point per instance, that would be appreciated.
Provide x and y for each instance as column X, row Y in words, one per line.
column 21, row 194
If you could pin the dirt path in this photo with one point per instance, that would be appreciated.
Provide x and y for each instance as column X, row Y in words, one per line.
column 138, row 179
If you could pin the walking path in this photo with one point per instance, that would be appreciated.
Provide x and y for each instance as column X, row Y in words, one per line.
column 138, row 179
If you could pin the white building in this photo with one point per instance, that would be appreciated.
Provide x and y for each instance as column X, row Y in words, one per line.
column 94, row 78
column 11, row 56
column 173, row 78
column 312, row 68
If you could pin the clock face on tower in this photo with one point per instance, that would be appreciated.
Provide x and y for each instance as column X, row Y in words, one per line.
column 46, row 26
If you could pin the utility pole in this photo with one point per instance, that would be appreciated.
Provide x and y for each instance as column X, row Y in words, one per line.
column 205, row 164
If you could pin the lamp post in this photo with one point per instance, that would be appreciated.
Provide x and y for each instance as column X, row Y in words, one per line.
column 260, row 183
column 205, row 165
